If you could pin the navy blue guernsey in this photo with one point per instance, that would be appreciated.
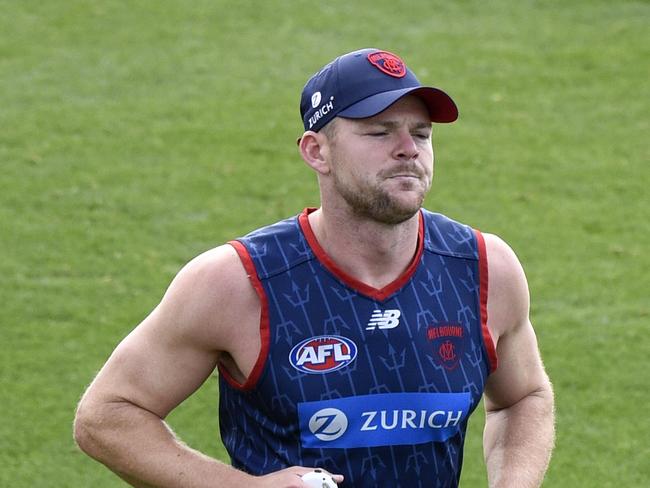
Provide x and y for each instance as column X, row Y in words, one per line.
column 375, row 384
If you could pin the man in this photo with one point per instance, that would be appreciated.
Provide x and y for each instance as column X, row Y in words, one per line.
column 357, row 337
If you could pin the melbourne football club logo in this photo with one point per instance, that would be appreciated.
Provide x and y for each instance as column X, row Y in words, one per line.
column 323, row 354
column 388, row 63
column 447, row 341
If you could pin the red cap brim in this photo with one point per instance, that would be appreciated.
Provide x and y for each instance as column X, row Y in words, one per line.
column 441, row 107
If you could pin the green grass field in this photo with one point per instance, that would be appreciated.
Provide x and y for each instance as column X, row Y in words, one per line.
column 135, row 135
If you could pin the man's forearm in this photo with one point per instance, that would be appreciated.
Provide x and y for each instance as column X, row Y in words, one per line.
column 139, row 447
column 518, row 442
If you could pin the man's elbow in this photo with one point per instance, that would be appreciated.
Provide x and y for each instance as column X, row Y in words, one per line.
column 541, row 401
column 86, row 428
column 540, row 405
column 545, row 392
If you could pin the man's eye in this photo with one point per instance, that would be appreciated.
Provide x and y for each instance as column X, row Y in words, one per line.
column 377, row 134
column 421, row 135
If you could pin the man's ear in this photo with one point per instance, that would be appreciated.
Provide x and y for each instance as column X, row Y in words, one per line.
column 314, row 149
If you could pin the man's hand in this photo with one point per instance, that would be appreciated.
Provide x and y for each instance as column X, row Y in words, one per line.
column 290, row 478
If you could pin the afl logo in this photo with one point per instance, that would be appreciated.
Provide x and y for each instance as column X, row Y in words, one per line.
column 322, row 354
column 388, row 63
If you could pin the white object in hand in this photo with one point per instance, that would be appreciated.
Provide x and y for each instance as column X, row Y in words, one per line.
column 318, row 479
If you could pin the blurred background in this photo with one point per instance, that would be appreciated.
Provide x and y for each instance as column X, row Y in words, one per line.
column 135, row 135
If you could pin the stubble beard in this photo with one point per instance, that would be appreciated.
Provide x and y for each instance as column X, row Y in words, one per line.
column 375, row 203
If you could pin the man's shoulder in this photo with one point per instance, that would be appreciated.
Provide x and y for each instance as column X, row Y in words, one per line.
column 277, row 229
column 274, row 248
column 508, row 295
column 444, row 235
column 204, row 300
column 501, row 257
column 216, row 268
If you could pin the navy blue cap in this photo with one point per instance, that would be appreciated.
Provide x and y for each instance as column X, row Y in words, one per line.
column 363, row 83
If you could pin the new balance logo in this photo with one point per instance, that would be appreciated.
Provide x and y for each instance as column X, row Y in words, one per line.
column 387, row 319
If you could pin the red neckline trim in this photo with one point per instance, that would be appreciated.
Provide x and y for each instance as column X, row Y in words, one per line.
column 379, row 294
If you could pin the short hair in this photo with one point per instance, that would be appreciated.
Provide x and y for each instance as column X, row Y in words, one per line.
column 329, row 129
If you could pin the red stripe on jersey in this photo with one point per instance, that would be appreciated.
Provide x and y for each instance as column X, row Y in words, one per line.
column 483, row 294
column 252, row 379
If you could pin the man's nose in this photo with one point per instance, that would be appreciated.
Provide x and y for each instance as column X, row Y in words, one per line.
column 406, row 147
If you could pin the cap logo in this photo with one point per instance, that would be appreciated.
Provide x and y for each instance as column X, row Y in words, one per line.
column 315, row 99
column 388, row 63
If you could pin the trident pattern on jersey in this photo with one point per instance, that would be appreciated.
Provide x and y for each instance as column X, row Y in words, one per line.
column 357, row 382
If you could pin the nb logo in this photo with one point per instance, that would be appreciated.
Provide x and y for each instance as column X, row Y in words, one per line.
column 387, row 319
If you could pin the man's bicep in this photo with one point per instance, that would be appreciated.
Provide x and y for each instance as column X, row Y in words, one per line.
column 155, row 367
column 171, row 353
column 520, row 372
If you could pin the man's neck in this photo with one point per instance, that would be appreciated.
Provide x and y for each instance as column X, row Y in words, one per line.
column 372, row 252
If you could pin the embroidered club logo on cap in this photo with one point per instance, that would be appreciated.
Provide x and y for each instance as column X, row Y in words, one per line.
column 388, row 63
column 363, row 83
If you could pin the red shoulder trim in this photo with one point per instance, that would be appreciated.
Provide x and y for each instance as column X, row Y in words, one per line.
column 379, row 294
column 252, row 379
column 483, row 294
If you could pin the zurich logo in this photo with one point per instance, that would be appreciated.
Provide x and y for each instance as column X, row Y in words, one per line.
column 328, row 424
column 323, row 354
column 315, row 99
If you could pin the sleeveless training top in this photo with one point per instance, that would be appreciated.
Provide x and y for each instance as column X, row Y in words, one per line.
column 374, row 384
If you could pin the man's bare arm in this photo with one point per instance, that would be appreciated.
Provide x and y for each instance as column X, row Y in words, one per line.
column 120, row 419
column 519, row 431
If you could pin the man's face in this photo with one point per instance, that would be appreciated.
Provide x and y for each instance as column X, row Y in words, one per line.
column 382, row 166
